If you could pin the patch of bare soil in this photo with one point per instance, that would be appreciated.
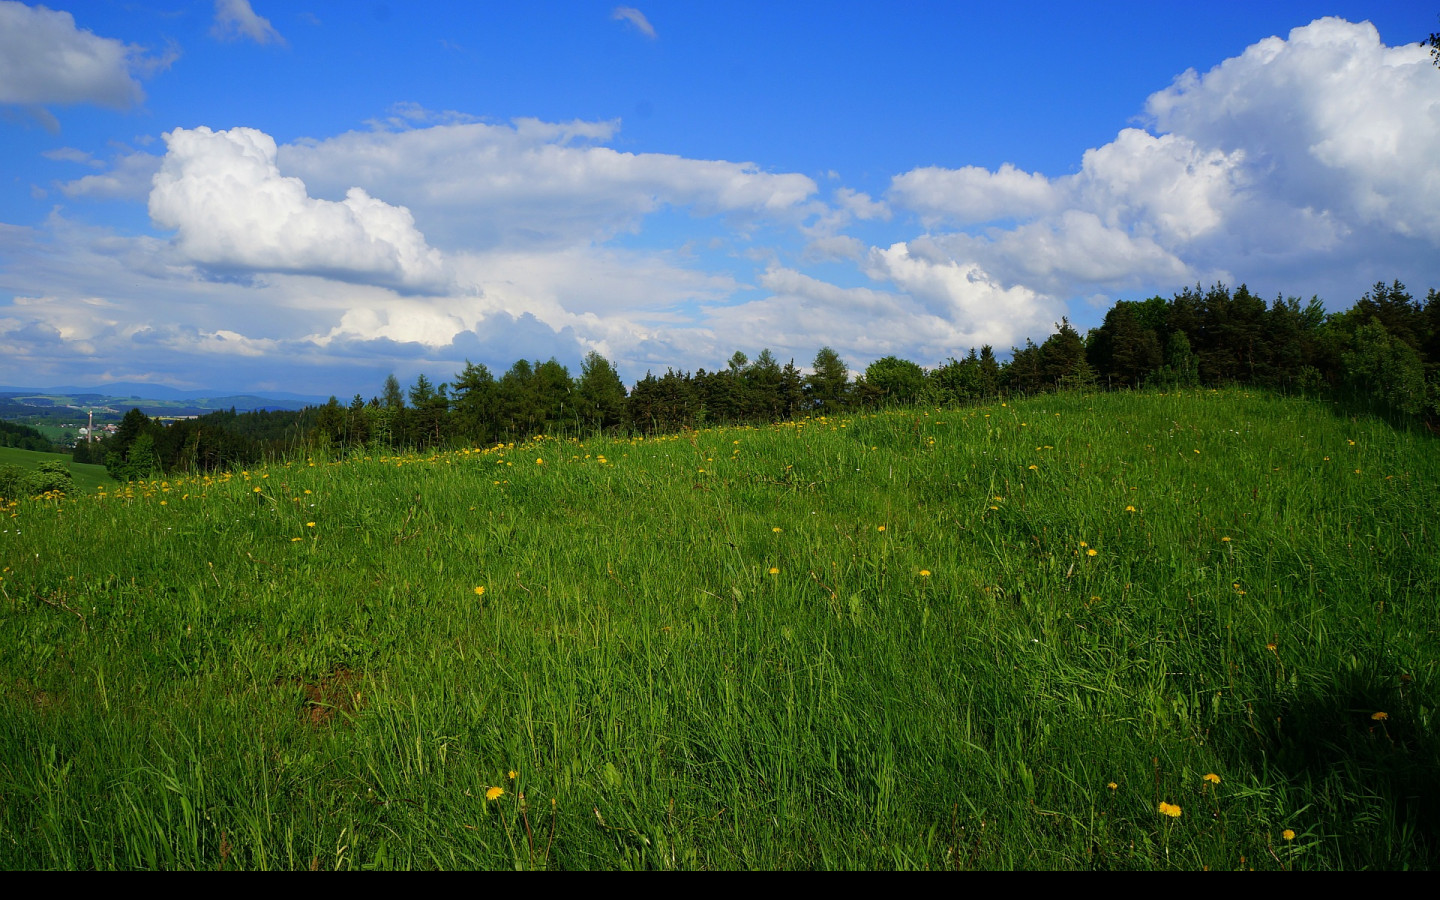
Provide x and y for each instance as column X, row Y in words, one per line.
column 336, row 694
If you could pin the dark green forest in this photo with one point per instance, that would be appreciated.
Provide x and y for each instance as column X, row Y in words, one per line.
column 1381, row 355
column 23, row 437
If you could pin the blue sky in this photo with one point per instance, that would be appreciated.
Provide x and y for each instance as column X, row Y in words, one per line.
column 308, row 196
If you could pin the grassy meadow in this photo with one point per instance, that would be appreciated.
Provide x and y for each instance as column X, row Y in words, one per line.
column 1117, row 631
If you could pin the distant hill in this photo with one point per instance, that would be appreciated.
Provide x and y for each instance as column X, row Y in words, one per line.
column 155, row 399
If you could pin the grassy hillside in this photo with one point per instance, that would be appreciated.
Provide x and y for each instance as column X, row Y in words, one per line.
column 88, row 478
column 1114, row 631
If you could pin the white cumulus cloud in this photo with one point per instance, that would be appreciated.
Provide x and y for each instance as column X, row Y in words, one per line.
column 1307, row 157
column 536, row 183
column 223, row 195
column 46, row 58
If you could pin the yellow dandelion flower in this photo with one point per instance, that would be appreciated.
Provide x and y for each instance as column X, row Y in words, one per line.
column 924, row 573
column 774, row 571
column 539, row 462
column 1212, row 778
column 1036, row 468
column 1091, row 552
column 257, row 490
column 1225, row 540
column 1379, row 716
column 1129, row 509
column 309, row 524
column 1288, row 835
column 494, row 793
column 880, row 528
column 1113, row 786
column 1170, row 809
column 293, row 540
column 776, row 529
column 480, row 590
column 1271, row 646
column 512, row 774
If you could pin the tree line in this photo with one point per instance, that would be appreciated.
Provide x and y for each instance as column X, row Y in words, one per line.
column 1383, row 352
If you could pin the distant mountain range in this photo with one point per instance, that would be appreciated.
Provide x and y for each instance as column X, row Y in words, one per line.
column 158, row 395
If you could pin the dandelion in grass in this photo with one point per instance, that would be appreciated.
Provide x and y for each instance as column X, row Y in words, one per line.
column 494, row 793
column 1129, row 509
column 1225, row 539
column 880, row 528
column 774, row 571
column 1170, row 809
column 777, row 529
column 309, row 524
column 1034, row 468
column 1288, row 835
column 1379, row 716
column 1212, row 778
column 480, row 590
column 512, row 774
column 1092, row 552
column 924, row 573
column 1113, row 786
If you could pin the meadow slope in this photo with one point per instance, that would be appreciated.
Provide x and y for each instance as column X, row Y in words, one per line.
column 1079, row 631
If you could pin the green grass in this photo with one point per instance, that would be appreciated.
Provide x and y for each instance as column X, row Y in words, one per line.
column 194, row 676
column 88, row 478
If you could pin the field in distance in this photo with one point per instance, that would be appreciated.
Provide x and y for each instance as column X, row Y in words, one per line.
column 88, row 478
column 1131, row 630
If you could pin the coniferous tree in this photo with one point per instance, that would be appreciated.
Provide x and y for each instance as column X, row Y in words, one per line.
column 828, row 387
column 599, row 395
column 474, row 402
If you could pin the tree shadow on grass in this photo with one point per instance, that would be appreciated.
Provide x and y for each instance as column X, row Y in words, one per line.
column 1361, row 747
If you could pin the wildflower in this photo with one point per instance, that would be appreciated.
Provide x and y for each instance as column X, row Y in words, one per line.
column 1129, row 509
column 1033, row 467
column 1379, row 716
column 1225, row 540
column 494, row 793
column 257, row 490
column 1270, row 646
column 1091, row 552
column 1170, row 809
column 1212, row 778
column 480, row 590
column 1113, row 786
column 774, row 571
column 539, row 462
column 512, row 774
column 309, row 524
column 924, row 573
column 776, row 529
column 880, row 528
column 1288, row 835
